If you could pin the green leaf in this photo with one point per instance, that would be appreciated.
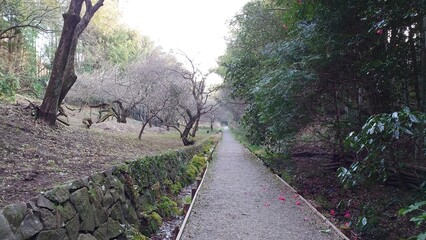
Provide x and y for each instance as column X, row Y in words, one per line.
column 413, row 207
column 413, row 118
column 407, row 131
column 421, row 236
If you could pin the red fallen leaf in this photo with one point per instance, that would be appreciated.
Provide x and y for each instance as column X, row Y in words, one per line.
column 295, row 196
column 347, row 214
column 332, row 212
column 297, row 203
column 380, row 31
column 281, row 198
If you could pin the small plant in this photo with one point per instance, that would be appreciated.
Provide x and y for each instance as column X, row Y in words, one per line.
column 187, row 200
column 368, row 219
column 419, row 219
column 134, row 234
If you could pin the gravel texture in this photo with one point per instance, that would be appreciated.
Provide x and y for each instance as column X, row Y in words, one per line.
column 242, row 199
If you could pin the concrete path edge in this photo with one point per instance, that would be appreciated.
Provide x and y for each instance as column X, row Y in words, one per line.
column 185, row 220
column 330, row 224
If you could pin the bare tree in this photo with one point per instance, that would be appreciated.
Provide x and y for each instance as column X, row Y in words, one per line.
column 196, row 103
column 63, row 75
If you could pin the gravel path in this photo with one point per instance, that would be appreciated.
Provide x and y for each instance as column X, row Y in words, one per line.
column 242, row 199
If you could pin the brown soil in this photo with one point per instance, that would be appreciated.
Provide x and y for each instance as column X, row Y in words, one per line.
column 35, row 157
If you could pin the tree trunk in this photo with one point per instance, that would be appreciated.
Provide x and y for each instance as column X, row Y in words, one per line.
column 185, row 134
column 142, row 129
column 63, row 73
column 49, row 107
column 148, row 121
column 195, row 129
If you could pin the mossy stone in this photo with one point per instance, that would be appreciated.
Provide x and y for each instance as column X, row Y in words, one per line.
column 85, row 237
column 52, row 234
column 58, row 194
column 67, row 211
column 101, row 214
column 130, row 213
column 43, row 202
column 88, row 223
column 79, row 183
column 73, row 227
column 116, row 212
column 81, row 202
column 108, row 200
column 30, row 226
column 109, row 230
column 50, row 220
column 5, row 230
column 14, row 214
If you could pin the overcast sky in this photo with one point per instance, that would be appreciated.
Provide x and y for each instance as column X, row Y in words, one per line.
column 196, row 27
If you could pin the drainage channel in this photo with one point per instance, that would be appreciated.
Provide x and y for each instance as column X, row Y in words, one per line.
column 172, row 229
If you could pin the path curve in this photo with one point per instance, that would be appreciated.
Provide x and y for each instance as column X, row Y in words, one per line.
column 242, row 199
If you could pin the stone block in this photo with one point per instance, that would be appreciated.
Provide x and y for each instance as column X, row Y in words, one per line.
column 101, row 215
column 67, row 211
column 30, row 226
column 58, row 234
column 43, row 202
column 50, row 220
column 79, row 183
column 88, row 223
column 130, row 213
column 5, row 230
column 58, row 194
column 108, row 200
column 81, row 202
column 14, row 214
column 86, row 237
column 116, row 213
column 73, row 227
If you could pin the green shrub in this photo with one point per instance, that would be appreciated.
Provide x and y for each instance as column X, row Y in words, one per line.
column 167, row 207
column 175, row 188
column 386, row 141
column 199, row 161
column 9, row 84
column 155, row 221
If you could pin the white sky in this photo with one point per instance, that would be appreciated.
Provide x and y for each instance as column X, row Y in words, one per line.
column 196, row 27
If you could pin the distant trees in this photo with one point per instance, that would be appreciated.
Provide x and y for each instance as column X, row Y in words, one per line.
column 21, row 22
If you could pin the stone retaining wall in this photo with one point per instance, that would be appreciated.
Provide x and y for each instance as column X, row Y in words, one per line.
column 106, row 205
